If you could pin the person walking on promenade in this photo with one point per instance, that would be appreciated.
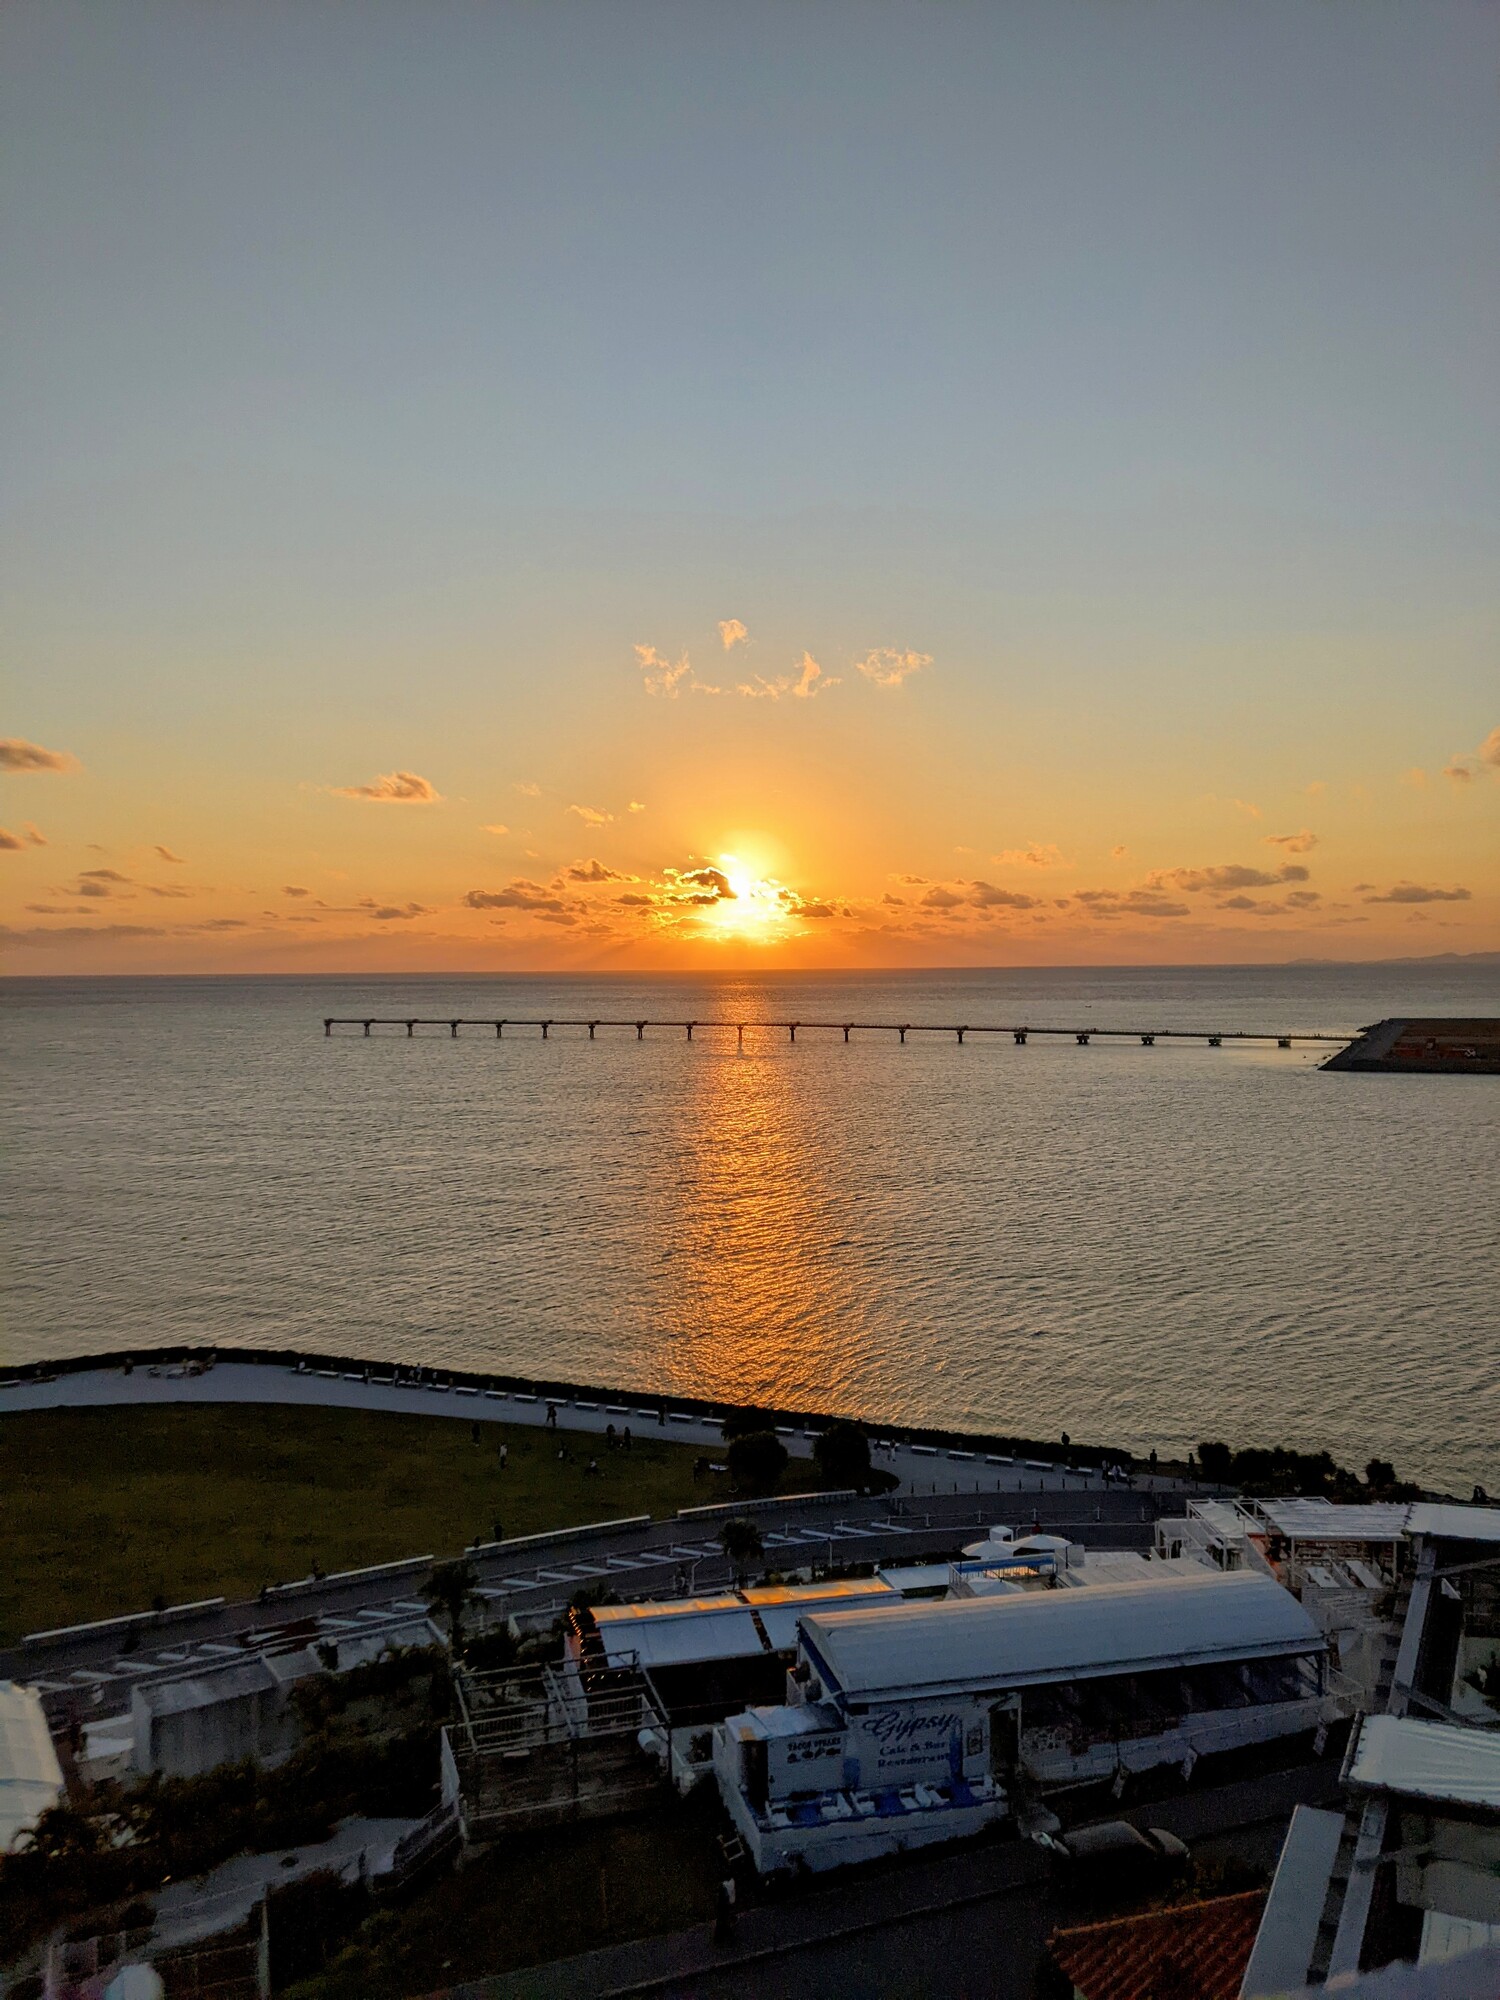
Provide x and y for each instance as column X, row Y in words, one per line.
column 552, row 1416
column 504, row 1455
column 724, row 1912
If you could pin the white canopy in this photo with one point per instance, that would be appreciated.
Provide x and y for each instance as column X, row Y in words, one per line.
column 1440, row 1761
column 30, row 1775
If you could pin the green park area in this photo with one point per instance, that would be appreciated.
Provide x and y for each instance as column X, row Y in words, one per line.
column 107, row 1510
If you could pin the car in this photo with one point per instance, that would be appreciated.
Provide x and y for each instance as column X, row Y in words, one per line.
column 1114, row 1855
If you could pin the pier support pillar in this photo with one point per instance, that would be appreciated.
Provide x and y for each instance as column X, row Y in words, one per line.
column 1020, row 1035
column 1283, row 1041
column 453, row 1030
column 792, row 1027
column 961, row 1032
column 902, row 1033
column 592, row 1026
column 847, row 1026
column 739, row 1034
column 499, row 1031
column 367, row 1027
column 411, row 1029
column 1148, row 1041
column 1215, row 1041
column 1083, row 1040
column 327, row 1027
column 689, row 1026
column 545, row 1026
column 640, row 1031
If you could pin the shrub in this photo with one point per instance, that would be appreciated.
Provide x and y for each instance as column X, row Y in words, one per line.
column 757, row 1461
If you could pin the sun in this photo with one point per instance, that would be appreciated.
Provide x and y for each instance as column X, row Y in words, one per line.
column 758, row 908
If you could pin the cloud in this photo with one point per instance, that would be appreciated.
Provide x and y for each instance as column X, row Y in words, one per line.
column 591, row 815
column 666, row 677
column 1316, row 788
column 93, row 889
column 1489, row 749
column 703, row 885
column 399, row 912
column 528, row 790
column 1301, row 842
column 732, row 632
column 938, row 898
column 1415, row 777
column 594, row 871
column 1417, row 892
column 104, row 875
column 10, row 843
column 394, row 788
column 44, row 934
column 1034, row 856
column 34, row 838
column 635, row 806
column 497, row 829
column 1244, row 806
column 17, row 755
column 985, row 896
column 166, row 854
column 1132, row 903
column 636, row 902
column 1119, row 854
column 809, row 680
column 1228, row 876
column 161, row 889
column 517, row 895
column 293, row 889
column 1460, row 772
column 888, row 668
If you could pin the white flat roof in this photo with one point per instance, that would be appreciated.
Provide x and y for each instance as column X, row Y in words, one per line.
column 1055, row 1635
column 687, row 1641
column 1337, row 1521
column 1454, row 1523
column 1439, row 1761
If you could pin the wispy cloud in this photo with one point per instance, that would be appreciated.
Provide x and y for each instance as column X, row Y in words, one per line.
column 386, row 913
column 1035, row 856
column 529, row 790
column 17, row 755
column 1460, row 772
column 809, row 680
column 635, row 806
column 594, row 871
column 662, row 676
column 10, row 843
column 1129, row 903
column 888, row 667
column 1301, row 842
column 166, row 854
column 293, row 889
column 1246, row 807
column 732, row 632
column 1489, row 749
column 394, row 788
column 591, row 815
column 1418, row 892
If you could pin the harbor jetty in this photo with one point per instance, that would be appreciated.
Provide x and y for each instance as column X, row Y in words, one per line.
column 1436, row 1047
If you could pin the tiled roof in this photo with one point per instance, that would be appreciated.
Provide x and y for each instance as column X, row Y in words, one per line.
column 1198, row 1951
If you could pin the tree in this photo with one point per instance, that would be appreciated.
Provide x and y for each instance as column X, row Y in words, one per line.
column 1217, row 1461
column 452, row 1589
column 742, row 1545
column 842, row 1455
column 757, row 1461
column 746, row 1422
column 1380, row 1475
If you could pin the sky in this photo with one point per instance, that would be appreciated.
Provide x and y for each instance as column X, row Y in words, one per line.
column 632, row 485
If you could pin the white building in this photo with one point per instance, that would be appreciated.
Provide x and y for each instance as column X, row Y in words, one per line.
column 913, row 1723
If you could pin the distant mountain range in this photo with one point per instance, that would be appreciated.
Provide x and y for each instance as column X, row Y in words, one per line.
column 1429, row 958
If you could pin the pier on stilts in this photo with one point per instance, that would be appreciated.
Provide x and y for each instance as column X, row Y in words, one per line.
column 1020, row 1034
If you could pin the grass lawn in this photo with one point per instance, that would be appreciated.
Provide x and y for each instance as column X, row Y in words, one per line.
column 106, row 1509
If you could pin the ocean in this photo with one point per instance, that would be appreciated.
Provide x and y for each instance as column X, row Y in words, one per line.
column 1148, row 1246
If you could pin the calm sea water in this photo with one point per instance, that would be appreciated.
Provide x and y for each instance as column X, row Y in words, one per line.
column 1144, row 1245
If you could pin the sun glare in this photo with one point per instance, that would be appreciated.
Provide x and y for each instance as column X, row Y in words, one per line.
column 758, row 908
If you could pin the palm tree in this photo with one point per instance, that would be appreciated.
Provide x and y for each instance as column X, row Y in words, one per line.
column 741, row 1541
column 452, row 1588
